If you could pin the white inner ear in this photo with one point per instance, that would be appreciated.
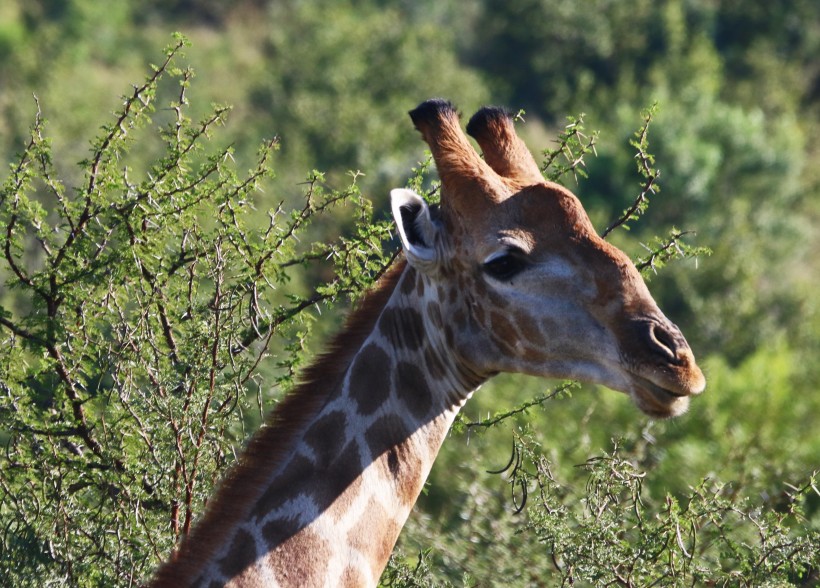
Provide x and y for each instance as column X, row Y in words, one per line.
column 415, row 225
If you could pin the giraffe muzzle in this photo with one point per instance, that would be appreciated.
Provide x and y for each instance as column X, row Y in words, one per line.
column 662, row 367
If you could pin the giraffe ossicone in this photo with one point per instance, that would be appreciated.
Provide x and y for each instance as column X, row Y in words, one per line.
column 507, row 274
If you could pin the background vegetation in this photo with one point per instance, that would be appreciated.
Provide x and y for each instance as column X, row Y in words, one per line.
column 157, row 298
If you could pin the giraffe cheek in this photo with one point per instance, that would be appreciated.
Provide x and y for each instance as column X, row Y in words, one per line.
column 478, row 313
column 503, row 333
column 530, row 331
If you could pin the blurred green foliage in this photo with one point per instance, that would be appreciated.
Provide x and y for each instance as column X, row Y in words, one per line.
column 735, row 139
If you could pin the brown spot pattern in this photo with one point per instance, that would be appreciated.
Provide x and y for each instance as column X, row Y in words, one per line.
column 295, row 561
column 370, row 379
column 496, row 299
column 435, row 368
column 348, row 496
column 434, row 314
column 453, row 296
column 404, row 327
column 532, row 354
column 413, row 389
column 291, row 482
column 408, row 282
column 478, row 312
column 449, row 335
column 529, row 328
column 278, row 531
column 420, row 286
column 503, row 331
column 386, row 432
column 332, row 482
column 353, row 578
column 326, row 436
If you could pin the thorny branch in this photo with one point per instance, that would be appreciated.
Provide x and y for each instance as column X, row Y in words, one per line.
column 667, row 250
column 116, row 132
column 523, row 408
column 573, row 145
column 650, row 175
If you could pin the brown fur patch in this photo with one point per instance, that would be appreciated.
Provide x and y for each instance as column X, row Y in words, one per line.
column 449, row 335
column 404, row 327
column 408, row 282
column 503, row 331
column 371, row 372
column 435, row 368
column 325, row 437
column 300, row 560
column 329, row 484
column 343, row 501
column 383, row 434
column 434, row 314
column 479, row 289
column 413, row 389
column 420, row 286
column 375, row 523
column 454, row 294
column 529, row 328
column 478, row 312
column 353, row 578
column 278, row 531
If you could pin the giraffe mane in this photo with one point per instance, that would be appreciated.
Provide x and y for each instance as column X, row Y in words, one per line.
column 269, row 447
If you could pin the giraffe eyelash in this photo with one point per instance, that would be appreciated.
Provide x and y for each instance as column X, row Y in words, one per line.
column 505, row 265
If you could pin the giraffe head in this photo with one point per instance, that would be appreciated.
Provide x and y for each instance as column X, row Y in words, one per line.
column 520, row 280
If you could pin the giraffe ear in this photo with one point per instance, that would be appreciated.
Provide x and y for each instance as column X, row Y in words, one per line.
column 416, row 227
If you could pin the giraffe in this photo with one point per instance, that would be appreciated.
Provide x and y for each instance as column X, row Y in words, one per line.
column 506, row 275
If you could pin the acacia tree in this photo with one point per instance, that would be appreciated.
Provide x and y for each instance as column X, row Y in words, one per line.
column 150, row 317
column 139, row 310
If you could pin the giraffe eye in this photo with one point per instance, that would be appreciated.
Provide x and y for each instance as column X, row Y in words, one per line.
column 504, row 267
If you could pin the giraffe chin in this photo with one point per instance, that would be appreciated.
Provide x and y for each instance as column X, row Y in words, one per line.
column 658, row 402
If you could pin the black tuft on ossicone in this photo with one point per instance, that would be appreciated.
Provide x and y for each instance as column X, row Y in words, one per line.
column 481, row 120
column 431, row 110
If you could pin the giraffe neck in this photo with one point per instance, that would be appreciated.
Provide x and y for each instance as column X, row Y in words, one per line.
column 331, row 510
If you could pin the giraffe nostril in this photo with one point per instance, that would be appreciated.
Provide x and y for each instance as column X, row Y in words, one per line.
column 666, row 340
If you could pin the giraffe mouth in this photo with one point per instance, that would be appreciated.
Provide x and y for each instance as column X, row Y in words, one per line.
column 656, row 401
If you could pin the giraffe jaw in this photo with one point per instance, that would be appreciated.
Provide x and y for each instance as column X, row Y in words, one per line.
column 657, row 401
